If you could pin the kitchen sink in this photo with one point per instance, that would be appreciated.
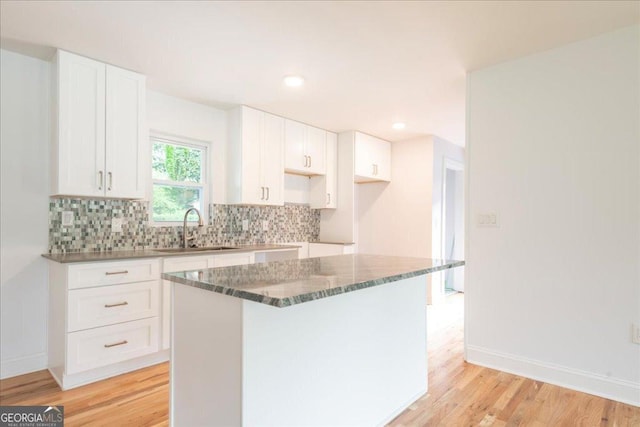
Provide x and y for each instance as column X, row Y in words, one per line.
column 201, row 249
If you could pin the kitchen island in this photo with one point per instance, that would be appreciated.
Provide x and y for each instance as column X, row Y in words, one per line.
column 337, row 340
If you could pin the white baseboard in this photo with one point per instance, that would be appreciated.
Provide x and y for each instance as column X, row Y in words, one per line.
column 599, row 385
column 23, row 365
column 67, row 382
column 400, row 409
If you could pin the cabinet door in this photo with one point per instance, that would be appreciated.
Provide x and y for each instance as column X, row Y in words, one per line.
column 363, row 159
column 316, row 150
column 325, row 249
column 177, row 264
column 233, row 259
column 253, row 191
column 126, row 140
column 372, row 159
column 80, row 147
column 295, row 157
column 381, row 158
column 332, row 170
column 272, row 165
column 323, row 189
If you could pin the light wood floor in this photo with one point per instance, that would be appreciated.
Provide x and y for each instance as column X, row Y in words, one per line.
column 460, row 394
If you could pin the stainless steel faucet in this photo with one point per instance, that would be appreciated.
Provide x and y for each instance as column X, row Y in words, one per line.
column 185, row 239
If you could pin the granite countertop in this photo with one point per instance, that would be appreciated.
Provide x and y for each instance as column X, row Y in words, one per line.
column 155, row 253
column 286, row 283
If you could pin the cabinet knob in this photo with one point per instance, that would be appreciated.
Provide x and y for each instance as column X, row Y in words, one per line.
column 267, row 193
column 100, row 178
column 262, row 198
column 110, row 181
column 328, row 198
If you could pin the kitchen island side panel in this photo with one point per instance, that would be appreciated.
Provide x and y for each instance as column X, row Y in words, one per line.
column 206, row 358
column 352, row 359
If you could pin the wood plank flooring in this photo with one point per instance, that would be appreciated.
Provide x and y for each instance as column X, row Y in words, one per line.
column 460, row 394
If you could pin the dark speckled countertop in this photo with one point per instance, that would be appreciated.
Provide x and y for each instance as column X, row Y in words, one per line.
column 155, row 253
column 286, row 283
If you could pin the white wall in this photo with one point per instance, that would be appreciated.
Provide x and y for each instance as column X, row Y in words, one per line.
column 553, row 148
column 395, row 218
column 24, row 141
column 178, row 117
column 296, row 189
column 403, row 217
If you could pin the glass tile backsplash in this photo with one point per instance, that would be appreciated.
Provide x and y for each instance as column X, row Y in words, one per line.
column 91, row 228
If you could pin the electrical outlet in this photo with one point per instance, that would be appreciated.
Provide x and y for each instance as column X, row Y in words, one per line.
column 116, row 225
column 245, row 225
column 635, row 333
column 67, row 218
column 265, row 225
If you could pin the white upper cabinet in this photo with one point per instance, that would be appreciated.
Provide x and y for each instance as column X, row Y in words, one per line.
column 99, row 135
column 126, row 133
column 305, row 149
column 255, row 157
column 372, row 159
column 323, row 190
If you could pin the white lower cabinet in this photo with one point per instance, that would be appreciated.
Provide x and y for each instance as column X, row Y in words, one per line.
column 103, row 321
column 111, row 317
column 229, row 260
column 329, row 249
column 197, row 262
column 106, row 305
column 93, row 348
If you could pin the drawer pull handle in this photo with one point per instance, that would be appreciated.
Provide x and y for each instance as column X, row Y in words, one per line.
column 116, row 305
column 111, row 273
column 116, row 344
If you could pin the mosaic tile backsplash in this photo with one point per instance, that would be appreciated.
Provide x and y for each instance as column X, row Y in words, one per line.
column 92, row 231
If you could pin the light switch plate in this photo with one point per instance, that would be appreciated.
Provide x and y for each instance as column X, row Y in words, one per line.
column 245, row 225
column 265, row 225
column 635, row 333
column 67, row 218
column 488, row 219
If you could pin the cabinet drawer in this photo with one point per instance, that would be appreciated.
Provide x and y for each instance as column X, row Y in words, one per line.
column 111, row 344
column 187, row 263
column 107, row 305
column 233, row 259
column 112, row 273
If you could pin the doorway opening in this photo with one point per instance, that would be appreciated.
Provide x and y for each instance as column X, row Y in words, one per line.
column 453, row 224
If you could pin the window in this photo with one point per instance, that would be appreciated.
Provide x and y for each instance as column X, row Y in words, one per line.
column 179, row 178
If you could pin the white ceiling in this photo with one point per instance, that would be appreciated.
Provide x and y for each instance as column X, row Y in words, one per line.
column 366, row 64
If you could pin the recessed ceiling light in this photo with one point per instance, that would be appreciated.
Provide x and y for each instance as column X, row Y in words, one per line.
column 399, row 125
column 293, row 81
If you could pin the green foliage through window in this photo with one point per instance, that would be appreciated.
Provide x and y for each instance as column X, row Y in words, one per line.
column 178, row 178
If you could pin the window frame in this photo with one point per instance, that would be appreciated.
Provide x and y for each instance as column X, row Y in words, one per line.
column 205, row 148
